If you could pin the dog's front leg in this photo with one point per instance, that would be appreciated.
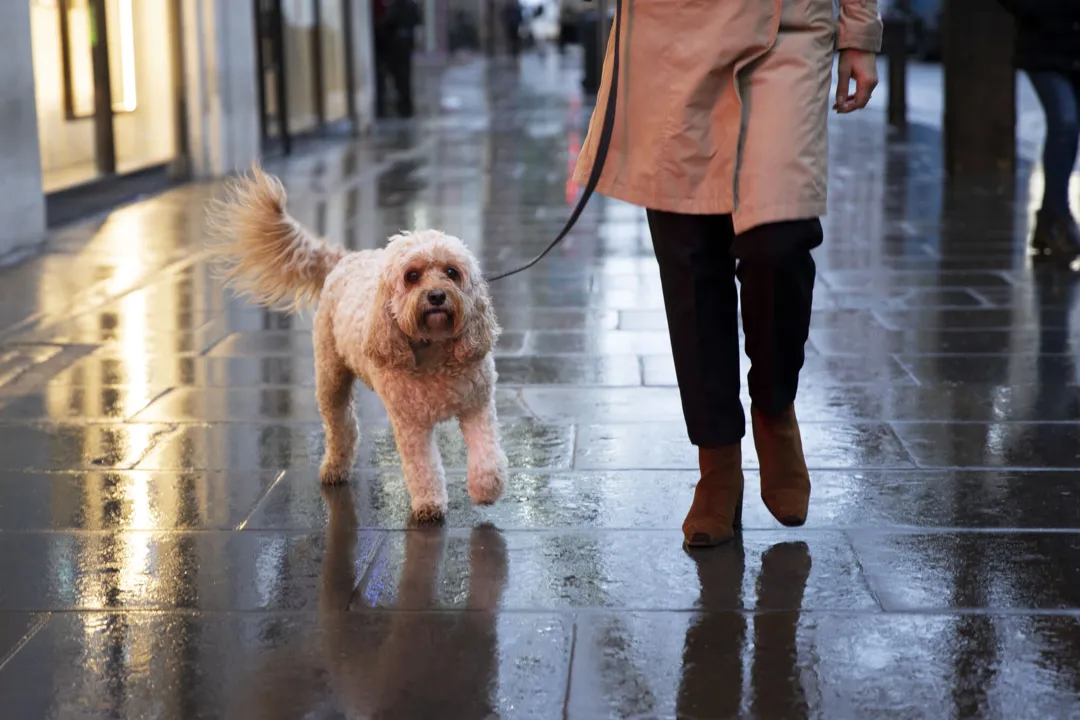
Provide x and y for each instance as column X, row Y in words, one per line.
column 334, row 388
column 487, row 461
column 423, row 468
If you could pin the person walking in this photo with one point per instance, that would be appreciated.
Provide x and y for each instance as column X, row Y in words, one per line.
column 1048, row 49
column 513, row 16
column 720, row 132
column 395, row 39
column 381, row 54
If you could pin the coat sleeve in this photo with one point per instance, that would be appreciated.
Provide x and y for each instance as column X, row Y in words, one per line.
column 859, row 26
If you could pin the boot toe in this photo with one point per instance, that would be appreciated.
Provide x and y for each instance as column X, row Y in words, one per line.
column 699, row 532
column 788, row 507
column 701, row 539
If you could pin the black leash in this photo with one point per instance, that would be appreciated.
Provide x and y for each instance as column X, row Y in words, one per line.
column 602, row 144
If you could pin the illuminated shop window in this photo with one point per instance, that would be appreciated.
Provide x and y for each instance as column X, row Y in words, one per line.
column 79, row 36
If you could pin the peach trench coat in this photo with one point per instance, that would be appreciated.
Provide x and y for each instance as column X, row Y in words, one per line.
column 722, row 105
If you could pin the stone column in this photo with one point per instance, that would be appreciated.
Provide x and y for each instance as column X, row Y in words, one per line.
column 980, row 89
column 220, row 77
column 22, row 202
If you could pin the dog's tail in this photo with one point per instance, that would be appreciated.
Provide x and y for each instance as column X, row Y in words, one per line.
column 263, row 251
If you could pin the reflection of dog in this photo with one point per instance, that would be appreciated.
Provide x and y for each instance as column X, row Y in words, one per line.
column 412, row 320
column 399, row 664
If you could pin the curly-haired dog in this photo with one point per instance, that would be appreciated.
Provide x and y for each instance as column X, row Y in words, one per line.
column 412, row 320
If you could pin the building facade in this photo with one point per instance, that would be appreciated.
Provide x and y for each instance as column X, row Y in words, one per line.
column 99, row 93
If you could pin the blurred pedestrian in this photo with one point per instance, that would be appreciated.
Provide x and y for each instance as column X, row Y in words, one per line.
column 513, row 16
column 569, row 19
column 379, row 40
column 721, row 134
column 395, row 39
column 1048, row 50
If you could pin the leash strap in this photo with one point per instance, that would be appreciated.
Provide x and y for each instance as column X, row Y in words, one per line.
column 602, row 144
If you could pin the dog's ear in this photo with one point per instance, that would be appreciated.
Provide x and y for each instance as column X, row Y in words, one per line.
column 481, row 330
column 384, row 342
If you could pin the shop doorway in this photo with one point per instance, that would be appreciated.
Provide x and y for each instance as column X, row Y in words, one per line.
column 107, row 85
column 306, row 81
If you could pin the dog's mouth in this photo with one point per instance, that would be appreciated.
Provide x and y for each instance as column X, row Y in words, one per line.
column 438, row 318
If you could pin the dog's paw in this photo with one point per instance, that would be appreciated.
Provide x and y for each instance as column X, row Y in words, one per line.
column 428, row 512
column 486, row 485
column 334, row 473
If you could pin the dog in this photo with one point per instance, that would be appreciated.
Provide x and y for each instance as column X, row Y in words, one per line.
column 412, row 320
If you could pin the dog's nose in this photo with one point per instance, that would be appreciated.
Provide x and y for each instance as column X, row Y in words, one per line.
column 436, row 297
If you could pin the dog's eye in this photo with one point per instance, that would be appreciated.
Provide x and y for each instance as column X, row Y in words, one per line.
column 412, row 277
column 452, row 273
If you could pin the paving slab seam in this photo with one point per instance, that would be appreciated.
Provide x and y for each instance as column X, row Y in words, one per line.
column 40, row 622
column 864, row 577
column 365, row 575
column 543, row 419
column 254, row 508
column 563, row 612
column 130, row 419
column 572, row 655
column 364, row 474
column 547, row 531
column 152, row 443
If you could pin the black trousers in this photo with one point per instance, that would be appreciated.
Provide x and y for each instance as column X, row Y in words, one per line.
column 513, row 39
column 393, row 59
column 401, row 61
column 380, row 82
column 700, row 258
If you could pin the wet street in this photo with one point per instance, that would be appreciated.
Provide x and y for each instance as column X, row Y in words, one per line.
column 166, row 549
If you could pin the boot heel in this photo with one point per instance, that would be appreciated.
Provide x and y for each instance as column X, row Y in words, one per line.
column 785, row 481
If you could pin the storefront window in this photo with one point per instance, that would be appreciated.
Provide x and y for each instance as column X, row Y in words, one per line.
column 332, row 38
column 76, row 33
column 141, row 78
column 300, row 63
column 77, row 143
column 303, row 53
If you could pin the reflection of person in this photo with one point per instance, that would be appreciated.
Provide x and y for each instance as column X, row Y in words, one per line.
column 1048, row 49
column 569, row 18
column 380, row 55
column 711, row 684
column 395, row 27
column 722, row 136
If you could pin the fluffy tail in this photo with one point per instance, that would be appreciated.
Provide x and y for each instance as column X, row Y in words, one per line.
column 265, row 254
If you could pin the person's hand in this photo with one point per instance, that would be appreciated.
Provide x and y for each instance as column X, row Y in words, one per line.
column 860, row 66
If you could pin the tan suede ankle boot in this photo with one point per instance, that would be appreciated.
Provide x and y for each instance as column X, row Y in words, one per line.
column 785, row 481
column 716, row 512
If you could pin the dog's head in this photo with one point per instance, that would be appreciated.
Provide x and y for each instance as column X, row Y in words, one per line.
column 430, row 291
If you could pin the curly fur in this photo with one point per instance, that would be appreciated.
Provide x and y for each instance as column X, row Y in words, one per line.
column 265, row 254
column 412, row 320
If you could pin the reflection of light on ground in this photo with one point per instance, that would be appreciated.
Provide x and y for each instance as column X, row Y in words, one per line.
column 269, row 563
column 132, row 326
column 134, row 567
column 996, row 437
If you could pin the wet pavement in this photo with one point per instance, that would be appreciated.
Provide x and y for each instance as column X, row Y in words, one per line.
column 166, row 549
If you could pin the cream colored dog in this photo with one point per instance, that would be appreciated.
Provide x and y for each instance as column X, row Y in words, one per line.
column 412, row 320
